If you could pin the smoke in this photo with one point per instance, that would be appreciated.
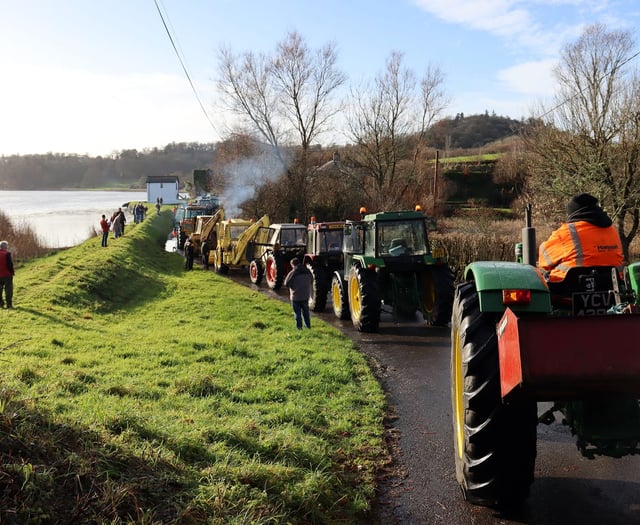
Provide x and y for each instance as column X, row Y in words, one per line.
column 245, row 176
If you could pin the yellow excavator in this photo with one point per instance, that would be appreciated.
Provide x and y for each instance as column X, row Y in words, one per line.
column 233, row 238
column 205, row 228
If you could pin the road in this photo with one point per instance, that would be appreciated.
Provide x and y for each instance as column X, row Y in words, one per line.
column 412, row 363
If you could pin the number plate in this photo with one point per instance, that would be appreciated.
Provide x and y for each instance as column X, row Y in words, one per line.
column 592, row 303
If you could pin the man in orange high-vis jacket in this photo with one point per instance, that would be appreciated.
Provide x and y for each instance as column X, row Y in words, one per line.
column 588, row 238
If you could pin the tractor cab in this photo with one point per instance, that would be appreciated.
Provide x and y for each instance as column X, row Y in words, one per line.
column 397, row 241
column 387, row 261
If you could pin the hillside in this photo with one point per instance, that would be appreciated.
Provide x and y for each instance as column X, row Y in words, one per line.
column 127, row 169
column 136, row 392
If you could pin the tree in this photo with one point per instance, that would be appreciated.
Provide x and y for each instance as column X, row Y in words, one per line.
column 387, row 124
column 286, row 100
column 589, row 141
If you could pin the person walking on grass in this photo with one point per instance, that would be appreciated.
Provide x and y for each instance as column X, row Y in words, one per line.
column 189, row 253
column 299, row 281
column 205, row 250
column 6, row 275
column 104, row 227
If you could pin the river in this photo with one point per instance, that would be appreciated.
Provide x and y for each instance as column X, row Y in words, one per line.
column 64, row 218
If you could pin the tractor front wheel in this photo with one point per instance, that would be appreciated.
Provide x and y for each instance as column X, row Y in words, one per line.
column 255, row 271
column 494, row 440
column 437, row 290
column 319, row 288
column 339, row 297
column 364, row 299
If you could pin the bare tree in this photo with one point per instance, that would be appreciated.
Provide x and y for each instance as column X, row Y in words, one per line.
column 387, row 122
column 589, row 141
column 285, row 99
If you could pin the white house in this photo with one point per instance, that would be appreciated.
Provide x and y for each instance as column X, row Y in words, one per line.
column 163, row 187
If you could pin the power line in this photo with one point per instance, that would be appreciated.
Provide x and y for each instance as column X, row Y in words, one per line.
column 184, row 67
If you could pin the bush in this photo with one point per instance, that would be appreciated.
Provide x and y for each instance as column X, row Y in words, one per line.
column 23, row 242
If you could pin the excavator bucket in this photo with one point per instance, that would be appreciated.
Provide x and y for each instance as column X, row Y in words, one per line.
column 553, row 358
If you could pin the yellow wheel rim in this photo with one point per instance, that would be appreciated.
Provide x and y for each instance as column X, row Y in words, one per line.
column 355, row 301
column 428, row 293
column 336, row 296
column 458, row 400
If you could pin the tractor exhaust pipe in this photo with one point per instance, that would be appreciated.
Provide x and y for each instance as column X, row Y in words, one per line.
column 529, row 239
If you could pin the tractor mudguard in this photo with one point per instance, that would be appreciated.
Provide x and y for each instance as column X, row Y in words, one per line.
column 576, row 357
column 634, row 277
column 492, row 277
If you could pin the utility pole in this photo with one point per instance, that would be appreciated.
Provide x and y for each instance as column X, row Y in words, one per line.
column 435, row 183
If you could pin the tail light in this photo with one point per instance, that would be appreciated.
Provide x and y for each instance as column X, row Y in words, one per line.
column 516, row 297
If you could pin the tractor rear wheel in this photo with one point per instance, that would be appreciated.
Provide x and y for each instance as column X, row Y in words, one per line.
column 437, row 290
column 255, row 271
column 319, row 288
column 274, row 271
column 339, row 297
column 364, row 299
column 494, row 441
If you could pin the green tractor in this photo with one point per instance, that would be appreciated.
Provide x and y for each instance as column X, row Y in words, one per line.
column 517, row 340
column 388, row 260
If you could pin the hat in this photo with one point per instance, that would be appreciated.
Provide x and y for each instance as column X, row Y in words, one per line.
column 582, row 201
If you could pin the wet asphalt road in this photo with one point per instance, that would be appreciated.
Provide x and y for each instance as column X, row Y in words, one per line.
column 411, row 361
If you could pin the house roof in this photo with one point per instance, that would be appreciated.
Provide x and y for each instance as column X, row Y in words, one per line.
column 161, row 178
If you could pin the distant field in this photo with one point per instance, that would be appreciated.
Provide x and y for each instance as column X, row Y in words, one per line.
column 470, row 158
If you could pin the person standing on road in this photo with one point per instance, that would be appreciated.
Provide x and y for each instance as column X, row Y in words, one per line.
column 299, row 281
column 6, row 275
column 104, row 227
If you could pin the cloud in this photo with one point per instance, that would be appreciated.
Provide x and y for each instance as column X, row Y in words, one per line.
column 70, row 111
column 534, row 25
column 530, row 78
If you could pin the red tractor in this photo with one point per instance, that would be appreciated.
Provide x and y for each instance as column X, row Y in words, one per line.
column 271, row 251
column 324, row 256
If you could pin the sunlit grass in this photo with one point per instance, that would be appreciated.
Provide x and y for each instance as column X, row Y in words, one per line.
column 151, row 394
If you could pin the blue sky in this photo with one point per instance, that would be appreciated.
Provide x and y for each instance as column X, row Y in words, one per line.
column 81, row 76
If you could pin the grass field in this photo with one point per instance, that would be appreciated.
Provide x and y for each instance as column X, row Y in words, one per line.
column 135, row 392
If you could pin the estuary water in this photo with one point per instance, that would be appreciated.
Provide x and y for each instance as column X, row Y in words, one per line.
column 64, row 218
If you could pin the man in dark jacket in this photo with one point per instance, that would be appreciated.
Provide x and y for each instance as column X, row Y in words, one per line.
column 588, row 238
column 6, row 275
column 299, row 281
column 189, row 253
column 205, row 250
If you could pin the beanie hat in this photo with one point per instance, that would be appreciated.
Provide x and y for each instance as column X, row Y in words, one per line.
column 580, row 202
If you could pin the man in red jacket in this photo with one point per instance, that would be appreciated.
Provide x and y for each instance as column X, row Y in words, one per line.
column 588, row 238
column 6, row 275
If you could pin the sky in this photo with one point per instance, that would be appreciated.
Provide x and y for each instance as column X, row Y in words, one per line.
column 98, row 77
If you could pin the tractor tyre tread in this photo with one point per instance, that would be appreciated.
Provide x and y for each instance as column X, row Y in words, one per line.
column 496, row 464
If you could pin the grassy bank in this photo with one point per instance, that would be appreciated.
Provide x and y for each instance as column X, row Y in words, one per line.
column 134, row 392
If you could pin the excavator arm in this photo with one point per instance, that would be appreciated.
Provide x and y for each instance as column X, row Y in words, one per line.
column 240, row 248
column 204, row 226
